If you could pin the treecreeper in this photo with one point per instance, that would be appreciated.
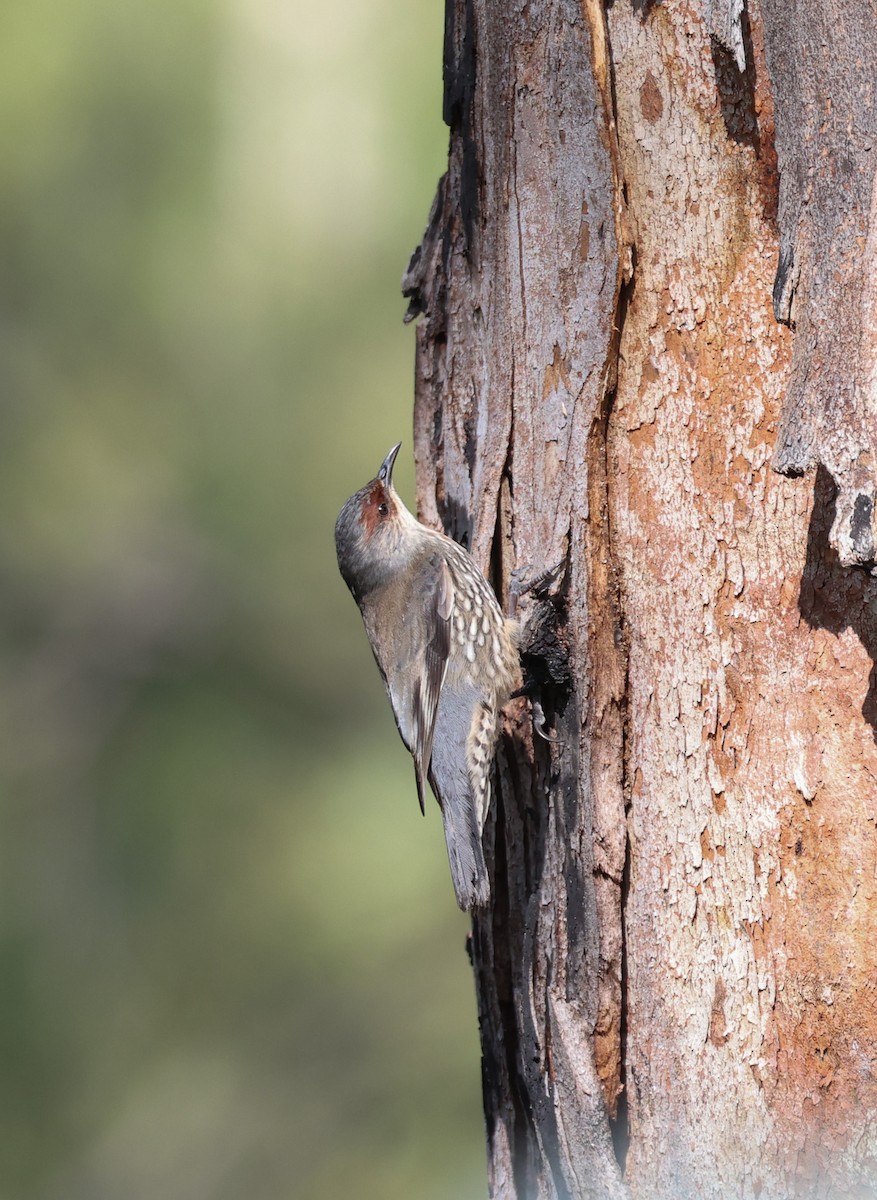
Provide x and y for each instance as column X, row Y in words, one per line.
column 447, row 655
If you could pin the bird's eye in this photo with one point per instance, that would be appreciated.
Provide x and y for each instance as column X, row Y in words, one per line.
column 383, row 509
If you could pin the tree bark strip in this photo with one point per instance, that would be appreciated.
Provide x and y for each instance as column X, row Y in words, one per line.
column 822, row 58
column 685, row 881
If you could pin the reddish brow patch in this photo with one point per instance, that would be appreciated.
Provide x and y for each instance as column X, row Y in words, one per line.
column 371, row 518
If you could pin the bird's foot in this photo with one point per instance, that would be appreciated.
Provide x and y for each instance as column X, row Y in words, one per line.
column 529, row 691
column 539, row 722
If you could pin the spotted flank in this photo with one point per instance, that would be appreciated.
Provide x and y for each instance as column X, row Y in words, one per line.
column 478, row 620
column 479, row 753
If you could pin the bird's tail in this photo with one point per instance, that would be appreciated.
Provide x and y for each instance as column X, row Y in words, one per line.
column 452, row 784
column 465, row 852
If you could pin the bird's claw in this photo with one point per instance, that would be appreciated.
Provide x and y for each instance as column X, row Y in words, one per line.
column 539, row 719
column 539, row 722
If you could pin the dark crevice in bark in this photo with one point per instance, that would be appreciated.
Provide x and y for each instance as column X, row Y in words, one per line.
column 736, row 88
column 498, row 569
column 469, row 442
column 545, row 655
column 559, row 772
column 620, row 1124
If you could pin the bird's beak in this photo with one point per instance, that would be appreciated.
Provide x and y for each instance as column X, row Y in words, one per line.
column 386, row 472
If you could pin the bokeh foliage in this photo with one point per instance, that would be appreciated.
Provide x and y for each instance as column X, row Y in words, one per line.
column 231, row 964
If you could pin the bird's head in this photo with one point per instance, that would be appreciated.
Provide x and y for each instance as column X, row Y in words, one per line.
column 372, row 533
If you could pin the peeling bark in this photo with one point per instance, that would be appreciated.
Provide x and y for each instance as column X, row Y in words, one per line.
column 822, row 58
column 685, row 881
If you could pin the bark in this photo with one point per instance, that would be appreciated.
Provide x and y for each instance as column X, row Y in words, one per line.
column 822, row 59
column 676, row 977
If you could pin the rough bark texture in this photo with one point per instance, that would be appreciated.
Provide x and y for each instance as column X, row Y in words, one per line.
column 822, row 59
column 680, row 946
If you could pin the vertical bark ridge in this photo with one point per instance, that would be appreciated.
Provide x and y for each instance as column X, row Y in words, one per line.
column 517, row 281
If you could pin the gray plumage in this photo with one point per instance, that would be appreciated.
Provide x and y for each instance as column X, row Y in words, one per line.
column 447, row 656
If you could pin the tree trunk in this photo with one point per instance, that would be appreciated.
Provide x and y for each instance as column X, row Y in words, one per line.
column 676, row 979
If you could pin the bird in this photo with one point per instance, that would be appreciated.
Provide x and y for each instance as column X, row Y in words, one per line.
column 447, row 655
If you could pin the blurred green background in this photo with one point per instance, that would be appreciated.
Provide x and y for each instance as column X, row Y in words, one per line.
column 231, row 962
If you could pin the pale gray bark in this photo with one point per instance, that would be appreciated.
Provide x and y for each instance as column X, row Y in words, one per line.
column 822, row 59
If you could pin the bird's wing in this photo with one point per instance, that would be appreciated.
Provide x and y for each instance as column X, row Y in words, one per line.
column 439, row 590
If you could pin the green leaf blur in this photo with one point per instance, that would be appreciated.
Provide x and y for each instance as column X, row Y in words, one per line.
column 231, row 962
